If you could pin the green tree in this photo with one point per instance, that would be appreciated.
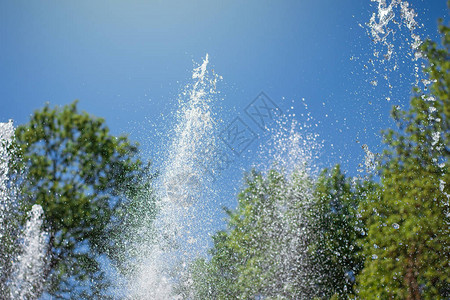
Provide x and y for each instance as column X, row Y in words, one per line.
column 134, row 229
column 407, row 249
column 336, row 249
column 264, row 250
column 79, row 173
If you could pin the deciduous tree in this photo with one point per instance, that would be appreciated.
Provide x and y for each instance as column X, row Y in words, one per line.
column 79, row 173
column 336, row 248
column 407, row 250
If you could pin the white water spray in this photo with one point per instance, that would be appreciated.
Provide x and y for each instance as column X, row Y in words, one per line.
column 381, row 31
column 290, row 151
column 182, row 183
column 6, row 135
column 394, row 31
column 27, row 281
column 8, row 206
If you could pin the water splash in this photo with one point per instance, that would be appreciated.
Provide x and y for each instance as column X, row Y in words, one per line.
column 396, row 61
column 381, row 31
column 292, row 146
column 193, row 140
column 8, row 208
column 371, row 162
column 6, row 136
column 291, row 151
column 396, row 45
column 27, row 281
column 182, row 184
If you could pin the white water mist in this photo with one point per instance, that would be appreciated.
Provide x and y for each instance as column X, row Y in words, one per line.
column 8, row 208
column 6, row 136
column 182, row 184
column 27, row 281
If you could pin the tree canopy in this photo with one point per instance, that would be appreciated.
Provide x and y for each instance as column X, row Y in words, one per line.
column 407, row 249
column 336, row 248
column 263, row 252
column 337, row 237
column 291, row 236
column 79, row 173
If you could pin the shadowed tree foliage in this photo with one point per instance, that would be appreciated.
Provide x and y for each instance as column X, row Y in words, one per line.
column 79, row 173
column 264, row 250
column 135, row 226
column 387, row 240
column 407, row 249
column 336, row 249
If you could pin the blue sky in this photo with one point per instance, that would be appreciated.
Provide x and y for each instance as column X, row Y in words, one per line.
column 127, row 61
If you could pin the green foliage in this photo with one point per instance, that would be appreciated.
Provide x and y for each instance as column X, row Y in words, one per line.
column 79, row 173
column 336, row 249
column 340, row 239
column 407, row 250
column 264, row 251
column 134, row 225
column 216, row 279
column 287, row 239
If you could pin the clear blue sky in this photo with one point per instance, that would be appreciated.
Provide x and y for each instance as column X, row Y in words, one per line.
column 127, row 61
